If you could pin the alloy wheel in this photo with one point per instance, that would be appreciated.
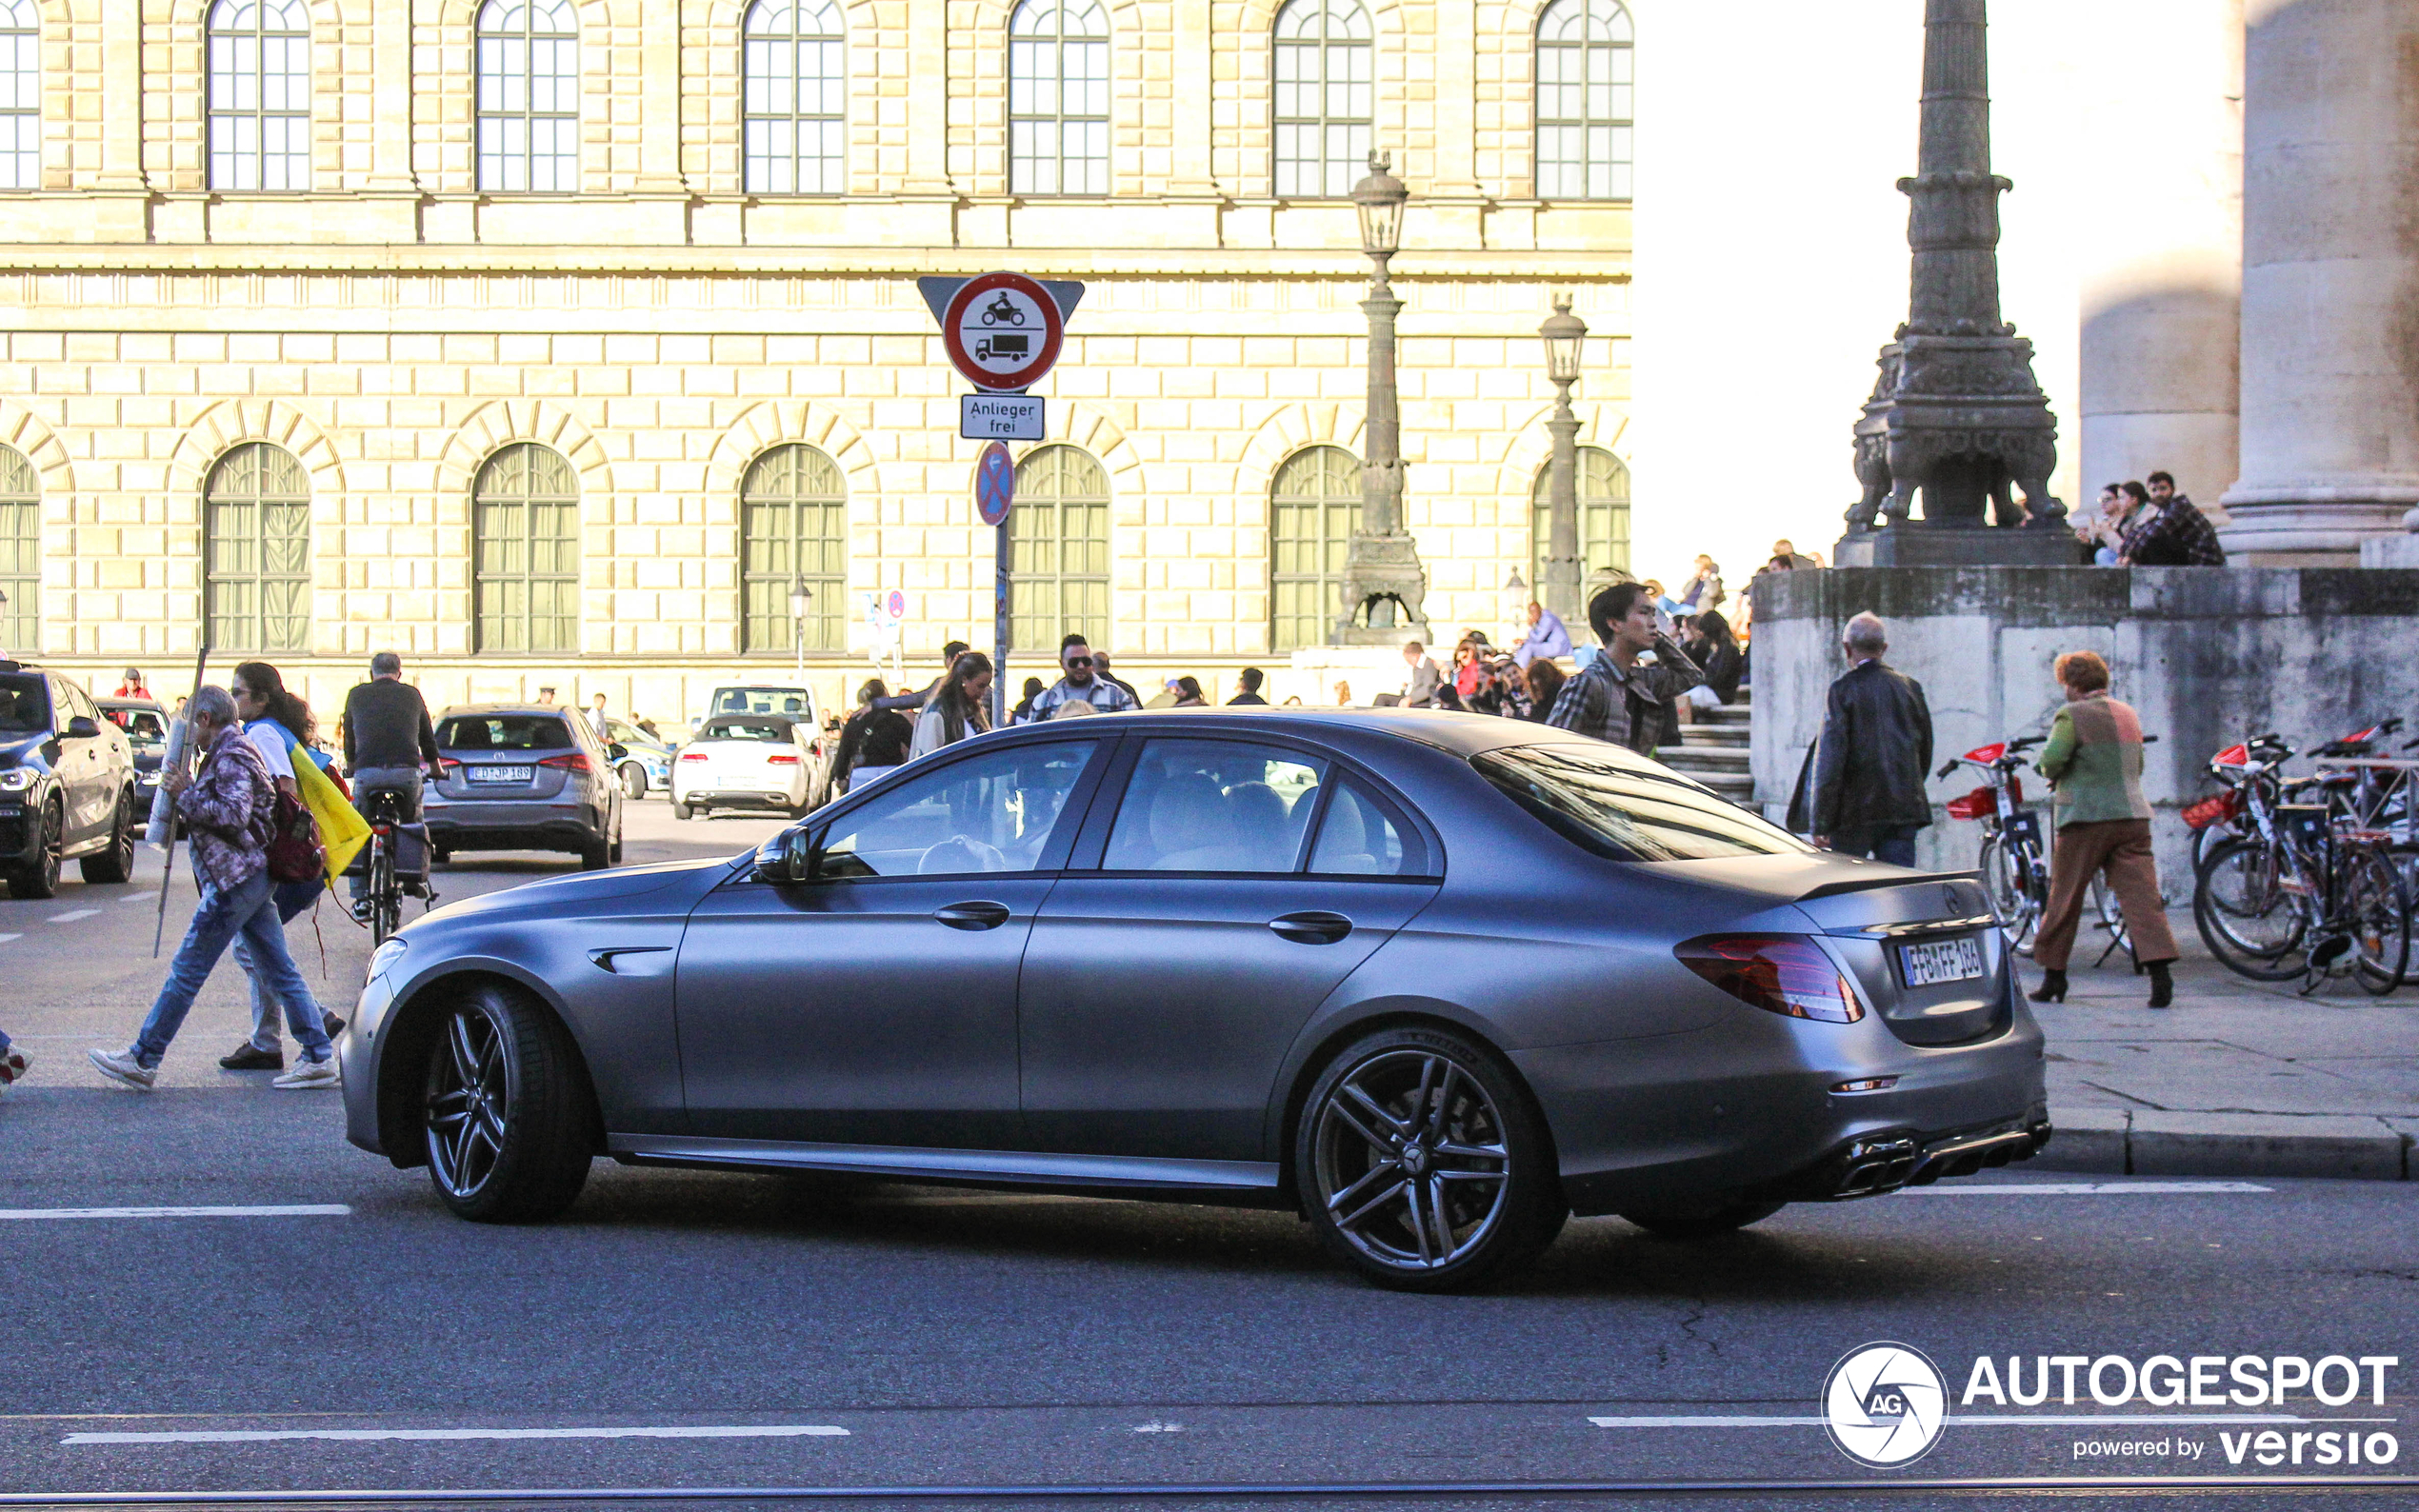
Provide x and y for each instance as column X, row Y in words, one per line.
column 1412, row 1163
column 468, row 1098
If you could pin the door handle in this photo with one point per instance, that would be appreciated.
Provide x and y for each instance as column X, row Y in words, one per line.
column 972, row 915
column 1314, row 927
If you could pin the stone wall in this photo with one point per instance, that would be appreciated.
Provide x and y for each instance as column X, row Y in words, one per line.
column 2208, row 655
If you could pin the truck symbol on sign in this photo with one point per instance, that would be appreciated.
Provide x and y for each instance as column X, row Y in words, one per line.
column 1002, row 347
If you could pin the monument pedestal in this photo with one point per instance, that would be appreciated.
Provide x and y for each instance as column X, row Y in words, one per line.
column 1919, row 544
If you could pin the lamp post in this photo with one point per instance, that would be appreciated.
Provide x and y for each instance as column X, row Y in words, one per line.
column 1560, row 573
column 1383, row 583
column 801, row 601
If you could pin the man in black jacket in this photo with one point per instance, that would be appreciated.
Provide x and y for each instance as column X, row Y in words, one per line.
column 1875, row 750
column 389, row 742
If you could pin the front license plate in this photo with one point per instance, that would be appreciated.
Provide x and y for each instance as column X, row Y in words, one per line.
column 502, row 774
column 1924, row 966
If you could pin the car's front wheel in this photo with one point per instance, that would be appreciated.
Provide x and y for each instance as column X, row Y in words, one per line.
column 1424, row 1165
column 510, row 1117
column 41, row 878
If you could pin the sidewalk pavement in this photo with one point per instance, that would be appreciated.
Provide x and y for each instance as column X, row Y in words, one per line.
column 2239, row 1078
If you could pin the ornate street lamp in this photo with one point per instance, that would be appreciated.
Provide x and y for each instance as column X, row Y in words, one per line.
column 1383, row 583
column 1561, row 572
column 800, row 602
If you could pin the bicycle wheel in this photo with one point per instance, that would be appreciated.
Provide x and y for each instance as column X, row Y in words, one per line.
column 2377, row 908
column 2004, row 881
column 2103, row 907
column 386, row 898
column 2253, row 925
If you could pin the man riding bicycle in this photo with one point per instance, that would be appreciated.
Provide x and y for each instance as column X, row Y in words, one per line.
column 389, row 744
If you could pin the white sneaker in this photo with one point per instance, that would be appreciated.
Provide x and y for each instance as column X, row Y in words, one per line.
column 12, row 1066
column 310, row 1074
column 122, row 1067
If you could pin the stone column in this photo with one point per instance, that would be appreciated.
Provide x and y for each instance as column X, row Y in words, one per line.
column 2331, row 281
column 2162, row 246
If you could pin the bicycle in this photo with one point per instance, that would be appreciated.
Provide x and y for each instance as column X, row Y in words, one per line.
column 2014, row 859
column 2308, row 896
column 385, row 861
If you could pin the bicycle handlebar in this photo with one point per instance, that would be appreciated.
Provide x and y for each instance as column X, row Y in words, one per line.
column 1950, row 765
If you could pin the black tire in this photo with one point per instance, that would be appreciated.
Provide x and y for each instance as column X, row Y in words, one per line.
column 386, row 898
column 2005, row 882
column 2253, row 926
column 41, row 880
column 613, row 852
column 1701, row 1220
column 633, row 780
column 118, row 862
column 596, row 855
column 1493, row 1198
column 2378, row 909
column 509, row 1118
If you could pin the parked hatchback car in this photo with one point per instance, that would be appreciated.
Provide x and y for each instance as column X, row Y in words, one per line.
column 66, row 785
column 1435, row 982
column 523, row 777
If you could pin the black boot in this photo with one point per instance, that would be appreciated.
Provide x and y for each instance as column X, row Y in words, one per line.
column 2052, row 988
column 2162, row 984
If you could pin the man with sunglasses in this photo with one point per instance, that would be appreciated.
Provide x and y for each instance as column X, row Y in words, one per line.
column 1082, row 684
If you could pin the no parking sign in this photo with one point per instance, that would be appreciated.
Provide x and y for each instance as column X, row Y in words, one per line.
column 995, row 482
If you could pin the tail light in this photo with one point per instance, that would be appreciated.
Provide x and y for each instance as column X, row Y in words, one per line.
column 693, row 755
column 569, row 762
column 781, row 761
column 1784, row 974
column 2215, row 811
column 1980, row 804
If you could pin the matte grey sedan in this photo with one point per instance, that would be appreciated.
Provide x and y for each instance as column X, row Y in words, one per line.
column 1434, row 980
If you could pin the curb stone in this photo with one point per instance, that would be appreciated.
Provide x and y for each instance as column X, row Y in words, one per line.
column 2147, row 1142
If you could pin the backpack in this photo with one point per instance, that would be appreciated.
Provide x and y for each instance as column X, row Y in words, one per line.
column 294, row 853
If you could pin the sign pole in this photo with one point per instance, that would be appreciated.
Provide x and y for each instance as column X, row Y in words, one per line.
column 999, row 626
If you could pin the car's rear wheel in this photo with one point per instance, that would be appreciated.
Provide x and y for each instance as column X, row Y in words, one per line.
column 1424, row 1165
column 510, row 1118
column 633, row 780
column 1701, row 1220
column 118, row 862
column 597, row 854
column 41, row 878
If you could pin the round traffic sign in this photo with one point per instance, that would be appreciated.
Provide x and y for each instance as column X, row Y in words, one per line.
column 995, row 482
column 1002, row 330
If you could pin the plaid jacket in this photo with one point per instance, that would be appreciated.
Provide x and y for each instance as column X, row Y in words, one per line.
column 230, row 809
column 1626, row 710
column 2179, row 535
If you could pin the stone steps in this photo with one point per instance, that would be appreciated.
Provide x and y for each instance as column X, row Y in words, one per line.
column 1714, row 749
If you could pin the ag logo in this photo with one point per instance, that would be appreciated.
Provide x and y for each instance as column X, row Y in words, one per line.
column 1885, row 1403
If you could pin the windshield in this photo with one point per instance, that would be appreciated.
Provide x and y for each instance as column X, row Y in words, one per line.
column 1627, row 809
column 761, row 701
column 25, row 708
column 471, row 732
column 145, row 731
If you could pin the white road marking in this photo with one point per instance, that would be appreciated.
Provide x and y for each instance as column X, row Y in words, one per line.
column 6, row 938
column 2008, row 1420
column 140, row 897
column 367, row 1435
column 302, row 1210
column 2088, row 1189
column 73, row 914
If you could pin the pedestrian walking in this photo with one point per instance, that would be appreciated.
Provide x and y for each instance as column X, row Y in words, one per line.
column 2094, row 759
column 959, row 706
column 874, row 739
column 280, row 727
column 227, row 810
column 1100, row 670
column 596, row 721
column 1188, row 694
column 1545, row 685
column 389, row 744
column 1618, row 696
column 1547, row 636
column 913, row 704
column 1246, row 689
column 1024, row 709
column 1712, row 645
column 1081, row 680
column 1875, row 753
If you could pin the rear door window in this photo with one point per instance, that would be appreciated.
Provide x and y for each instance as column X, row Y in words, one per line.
column 1214, row 805
column 1362, row 835
column 476, row 732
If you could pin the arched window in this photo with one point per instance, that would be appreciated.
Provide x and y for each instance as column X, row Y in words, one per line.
column 794, row 512
column 20, row 554
column 1058, row 549
column 260, row 94
column 1604, row 514
column 1324, row 99
column 1058, row 98
column 20, row 95
column 795, row 122
column 529, row 96
column 1583, row 101
column 256, row 550
column 524, row 552
column 1314, row 506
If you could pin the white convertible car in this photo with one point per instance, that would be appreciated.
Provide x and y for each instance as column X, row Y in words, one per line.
column 758, row 761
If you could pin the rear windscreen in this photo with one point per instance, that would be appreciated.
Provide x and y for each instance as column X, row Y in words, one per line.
column 761, row 701
column 475, row 732
column 1626, row 808
column 24, row 706
column 745, row 729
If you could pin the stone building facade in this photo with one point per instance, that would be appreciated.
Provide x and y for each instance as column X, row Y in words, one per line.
column 547, row 341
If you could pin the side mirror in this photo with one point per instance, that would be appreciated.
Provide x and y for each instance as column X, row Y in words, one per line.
column 81, row 728
column 618, row 751
column 787, row 858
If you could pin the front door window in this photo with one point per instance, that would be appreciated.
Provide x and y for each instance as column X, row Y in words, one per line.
column 996, row 812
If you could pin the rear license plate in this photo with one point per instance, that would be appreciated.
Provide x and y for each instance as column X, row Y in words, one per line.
column 1924, row 966
column 502, row 774
column 756, row 784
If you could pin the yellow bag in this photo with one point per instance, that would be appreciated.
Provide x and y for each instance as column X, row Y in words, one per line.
column 342, row 831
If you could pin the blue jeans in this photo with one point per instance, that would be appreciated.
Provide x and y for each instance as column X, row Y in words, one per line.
column 1894, row 844
column 292, row 899
column 223, row 914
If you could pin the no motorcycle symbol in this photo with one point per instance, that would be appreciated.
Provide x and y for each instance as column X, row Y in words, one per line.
column 1003, row 331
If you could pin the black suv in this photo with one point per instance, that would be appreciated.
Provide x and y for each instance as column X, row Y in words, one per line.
column 66, row 785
